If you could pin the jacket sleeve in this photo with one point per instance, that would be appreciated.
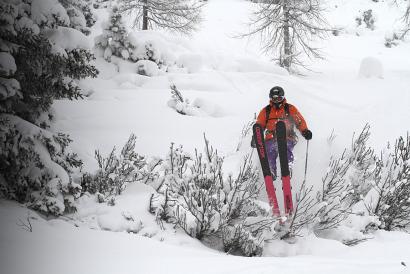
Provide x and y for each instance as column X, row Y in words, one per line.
column 297, row 118
column 261, row 120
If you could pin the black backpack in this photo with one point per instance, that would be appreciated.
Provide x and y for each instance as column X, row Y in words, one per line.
column 268, row 108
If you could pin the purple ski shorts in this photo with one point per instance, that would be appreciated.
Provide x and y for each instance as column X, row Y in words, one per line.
column 272, row 150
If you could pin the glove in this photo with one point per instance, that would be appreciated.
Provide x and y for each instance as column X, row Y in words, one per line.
column 307, row 134
column 253, row 142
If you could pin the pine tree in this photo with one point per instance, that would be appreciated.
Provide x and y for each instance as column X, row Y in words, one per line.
column 114, row 40
column 36, row 164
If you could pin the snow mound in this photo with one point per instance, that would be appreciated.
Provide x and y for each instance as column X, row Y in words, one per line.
column 371, row 67
column 208, row 107
column 199, row 107
column 150, row 45
column 192, row 62
column 250, row 65
column 68, row 39
column 147, row 68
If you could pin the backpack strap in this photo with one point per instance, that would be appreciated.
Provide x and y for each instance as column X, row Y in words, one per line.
column 268, row 108
column 287, row 113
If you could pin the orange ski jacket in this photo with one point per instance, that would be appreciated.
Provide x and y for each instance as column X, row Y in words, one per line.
column 293, row 119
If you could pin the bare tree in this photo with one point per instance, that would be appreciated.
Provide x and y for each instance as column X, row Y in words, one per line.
column 288, row 27
column 176, row 15
column 406, row 19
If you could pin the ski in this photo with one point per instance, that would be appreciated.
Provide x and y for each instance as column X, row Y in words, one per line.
column 258, row 133
column 284, row 166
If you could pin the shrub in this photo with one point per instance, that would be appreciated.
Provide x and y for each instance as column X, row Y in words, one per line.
column 115, row 172
column 195, row 196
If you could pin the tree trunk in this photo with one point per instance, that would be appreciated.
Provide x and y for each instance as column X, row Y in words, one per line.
column 286, row 39
column 145, row 15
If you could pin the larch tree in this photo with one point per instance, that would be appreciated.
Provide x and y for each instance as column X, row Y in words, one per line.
column 181, row 16
column 288, row 29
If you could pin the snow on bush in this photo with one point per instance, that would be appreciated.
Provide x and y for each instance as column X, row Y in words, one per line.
column 67, row 39
column 36, row 164
column 48, row 12
column 345, row 183
column 361, row 191
column 371, row 67
column 153, row 46
column 194, row 194
column 200, row 107
column 115, row 172
column 392, row 38
column 147, row 68
column 81, row 17
column 366, row 19
column 389, row 199
column 7, row 64
column 114, row 39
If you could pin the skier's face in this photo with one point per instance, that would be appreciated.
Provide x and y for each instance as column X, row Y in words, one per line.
column 277, row 99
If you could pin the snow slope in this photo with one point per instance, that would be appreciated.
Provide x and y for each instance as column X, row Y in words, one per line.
column 57, row 247
column 231, row 86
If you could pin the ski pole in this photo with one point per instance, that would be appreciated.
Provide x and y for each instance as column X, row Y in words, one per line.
column 306, row 159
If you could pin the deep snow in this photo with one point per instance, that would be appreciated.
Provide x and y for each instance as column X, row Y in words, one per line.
column 229, row 83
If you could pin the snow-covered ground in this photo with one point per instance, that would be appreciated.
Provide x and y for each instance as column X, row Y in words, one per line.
column 229, row 83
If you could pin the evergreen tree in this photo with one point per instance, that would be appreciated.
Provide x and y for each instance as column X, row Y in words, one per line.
column 36, row 164
column 114, row 40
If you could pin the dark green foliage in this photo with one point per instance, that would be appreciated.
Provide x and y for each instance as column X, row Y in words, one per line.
column 36, row 164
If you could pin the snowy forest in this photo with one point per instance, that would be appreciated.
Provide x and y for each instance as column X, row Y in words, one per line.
column 127, row 139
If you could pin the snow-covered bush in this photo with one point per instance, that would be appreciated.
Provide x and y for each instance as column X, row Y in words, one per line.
column 367, row 18
column 39, row 64
column 391, row 39
column 35, row 166
column 115, row 172
column 152, row 46
column 389, row 198
column 195, row 195
column 371, row 67
column 147, row 68
column 79, row 12
column 199, row 107
column 347, row 180
column 181, row 105
column 114, row 39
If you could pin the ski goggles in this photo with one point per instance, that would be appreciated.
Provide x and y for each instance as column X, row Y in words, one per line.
column 277, row 98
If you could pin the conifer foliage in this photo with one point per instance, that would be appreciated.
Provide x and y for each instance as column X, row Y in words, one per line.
column 114, row 39
column 38, row 66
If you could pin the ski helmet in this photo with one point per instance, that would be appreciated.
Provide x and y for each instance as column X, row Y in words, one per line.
column 277, row 94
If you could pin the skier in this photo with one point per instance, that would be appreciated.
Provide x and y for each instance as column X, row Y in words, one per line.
column 278, row 109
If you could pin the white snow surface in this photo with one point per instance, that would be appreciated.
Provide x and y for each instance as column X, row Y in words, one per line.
column 227, row 80
column 371, row 67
